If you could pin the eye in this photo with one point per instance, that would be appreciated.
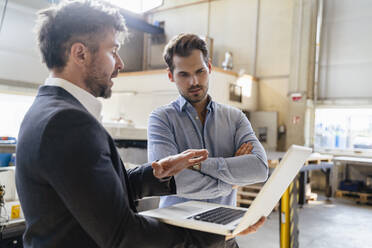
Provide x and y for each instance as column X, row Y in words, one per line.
column 183, row 74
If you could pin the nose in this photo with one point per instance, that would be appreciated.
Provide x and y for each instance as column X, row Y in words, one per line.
column 119, row 63
column 194, row 80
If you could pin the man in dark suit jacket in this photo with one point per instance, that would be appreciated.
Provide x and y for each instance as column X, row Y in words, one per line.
column 72, row 185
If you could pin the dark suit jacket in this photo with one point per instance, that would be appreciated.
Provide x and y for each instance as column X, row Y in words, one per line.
column 74, row 190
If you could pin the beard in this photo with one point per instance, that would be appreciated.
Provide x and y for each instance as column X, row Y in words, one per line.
column 98, row 82
column 195, row 98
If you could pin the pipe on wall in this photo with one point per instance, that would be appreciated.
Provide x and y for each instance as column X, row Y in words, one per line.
column 255, row 42
column 319, row 30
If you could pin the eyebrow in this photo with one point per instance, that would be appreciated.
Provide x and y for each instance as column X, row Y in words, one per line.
column 185, row 72
column 200, row 69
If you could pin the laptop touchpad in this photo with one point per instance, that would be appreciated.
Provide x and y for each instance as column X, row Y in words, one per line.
column 186, row 210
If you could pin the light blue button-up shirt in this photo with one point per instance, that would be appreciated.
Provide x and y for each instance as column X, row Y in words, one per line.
column 176, row 127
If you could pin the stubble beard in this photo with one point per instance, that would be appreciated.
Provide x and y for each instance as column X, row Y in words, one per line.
column 97, row 82
column 189, row 96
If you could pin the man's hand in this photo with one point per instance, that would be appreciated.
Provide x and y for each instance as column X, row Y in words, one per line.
column 171, row 165
column 244, row 149
column 250, row 229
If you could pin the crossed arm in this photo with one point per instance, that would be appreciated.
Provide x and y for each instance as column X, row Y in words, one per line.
column 218, row 175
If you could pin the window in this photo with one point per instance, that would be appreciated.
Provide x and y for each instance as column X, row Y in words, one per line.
column 12, row 110
column 343, row 128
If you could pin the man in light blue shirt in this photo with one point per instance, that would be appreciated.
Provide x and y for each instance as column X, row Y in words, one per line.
column 195, row 121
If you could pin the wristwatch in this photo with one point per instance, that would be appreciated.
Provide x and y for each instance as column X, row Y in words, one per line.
column 196, row 167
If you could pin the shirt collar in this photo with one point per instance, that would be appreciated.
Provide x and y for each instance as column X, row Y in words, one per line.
column 92, row 104
column 183, row 103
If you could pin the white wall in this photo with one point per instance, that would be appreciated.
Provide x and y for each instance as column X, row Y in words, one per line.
column 274, row 55
column 152, row 90
column 232, row 25
column 274, row 39
column 19, row 57
column 346, row 54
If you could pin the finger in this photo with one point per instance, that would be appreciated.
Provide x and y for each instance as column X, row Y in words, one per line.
column 174, row 164
column 238, row 153
column 254, row 227
column 259, row 223
column 240, row 150
column 250, row 147
column 178, row 163
column 198, row 152
column 197, row 160
column 157, row 169
column 228, row 237
column 193, row 156
column 186, row 151
column 247, row 231
column 245, row 149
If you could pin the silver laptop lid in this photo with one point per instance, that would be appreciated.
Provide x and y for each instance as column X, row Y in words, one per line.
column 275, row 186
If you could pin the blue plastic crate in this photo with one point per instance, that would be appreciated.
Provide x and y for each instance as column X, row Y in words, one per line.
column 351, row 185
column 12, row 161
column 5, row 159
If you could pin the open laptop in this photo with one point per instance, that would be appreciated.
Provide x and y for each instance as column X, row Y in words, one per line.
column 226, row 220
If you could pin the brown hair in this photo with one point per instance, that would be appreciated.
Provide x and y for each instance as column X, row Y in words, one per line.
column 85, row 21
column 182, row 45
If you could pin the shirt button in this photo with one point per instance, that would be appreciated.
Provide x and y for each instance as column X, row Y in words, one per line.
column 196, row 117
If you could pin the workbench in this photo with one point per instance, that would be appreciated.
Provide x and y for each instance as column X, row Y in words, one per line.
column 342, row 170
column 11, row 233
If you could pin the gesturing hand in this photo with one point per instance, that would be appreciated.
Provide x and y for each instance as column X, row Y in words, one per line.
column 244, row 149
column 171, row 165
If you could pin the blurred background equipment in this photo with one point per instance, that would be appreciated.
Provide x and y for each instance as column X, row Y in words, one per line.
column 227, row 64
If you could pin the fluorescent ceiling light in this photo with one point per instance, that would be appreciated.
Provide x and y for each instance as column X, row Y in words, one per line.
column 137, row 6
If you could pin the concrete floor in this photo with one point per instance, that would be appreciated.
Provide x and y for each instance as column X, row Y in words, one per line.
column 323, row 224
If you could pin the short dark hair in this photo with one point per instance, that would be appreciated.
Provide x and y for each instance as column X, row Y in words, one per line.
column 62, row 25
column 182, row 45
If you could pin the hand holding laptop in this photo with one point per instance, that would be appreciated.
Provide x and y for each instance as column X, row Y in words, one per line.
column 171, row 165
column 250, row 229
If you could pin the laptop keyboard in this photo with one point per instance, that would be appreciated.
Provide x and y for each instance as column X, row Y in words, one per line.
column 219, row 215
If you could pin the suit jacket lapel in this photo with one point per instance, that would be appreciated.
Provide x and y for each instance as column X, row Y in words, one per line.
column 46, row 90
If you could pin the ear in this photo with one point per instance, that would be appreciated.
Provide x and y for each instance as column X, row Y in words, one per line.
column 170, row 75
column 209, row 66
column 79, row 53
